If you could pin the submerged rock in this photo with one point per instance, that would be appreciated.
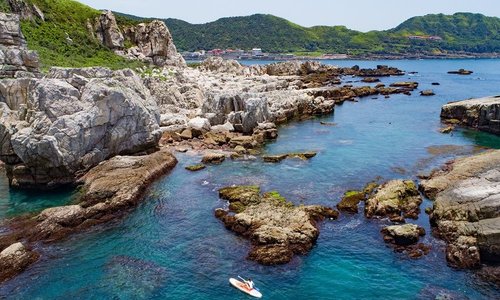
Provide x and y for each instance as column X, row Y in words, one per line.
column 279, row 157
column 393, row 199
column 195, row 168
column 277, row 228
column 213, row 158
column 427, row 93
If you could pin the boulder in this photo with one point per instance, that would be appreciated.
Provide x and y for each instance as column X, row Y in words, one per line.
column 403, row 235
column 15, row 259
column 213, row 158
column 195, row 168
column 482, row 113
column 220, row 65
column 276, row 228
column 461, row 72
column 199, row 126
column 351, row 200
column 393, row 199
column 427, row 93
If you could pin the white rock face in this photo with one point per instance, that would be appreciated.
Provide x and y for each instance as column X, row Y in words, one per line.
column 200, row 124
column 55, row 127
column 108, row 32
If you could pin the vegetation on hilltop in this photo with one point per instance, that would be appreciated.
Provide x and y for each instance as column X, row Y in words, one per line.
column 64, row 39
column 460, row 32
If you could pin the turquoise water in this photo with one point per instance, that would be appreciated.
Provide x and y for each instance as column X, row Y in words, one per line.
column 172, row 247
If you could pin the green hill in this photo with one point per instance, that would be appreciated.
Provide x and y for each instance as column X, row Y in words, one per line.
column 460, row 32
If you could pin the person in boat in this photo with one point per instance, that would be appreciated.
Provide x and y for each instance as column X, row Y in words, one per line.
column 249, row 283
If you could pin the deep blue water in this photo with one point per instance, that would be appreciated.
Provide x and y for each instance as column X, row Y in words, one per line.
column 172, row 247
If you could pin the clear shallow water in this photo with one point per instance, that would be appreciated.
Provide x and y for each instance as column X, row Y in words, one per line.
column 172, row 247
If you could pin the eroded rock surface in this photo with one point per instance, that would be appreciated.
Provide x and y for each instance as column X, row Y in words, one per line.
column 14, row 259
column 53, row 128
column 277, row 229
column 466, row 210
column 394, row 199
column 482, row 113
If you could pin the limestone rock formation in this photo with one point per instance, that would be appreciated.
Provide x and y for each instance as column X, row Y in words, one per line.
column 108, row 32
column 277, row 229
column 466, row 210
column 482, row 113
column 53, row 128
column 153, row 43
column 15, row 59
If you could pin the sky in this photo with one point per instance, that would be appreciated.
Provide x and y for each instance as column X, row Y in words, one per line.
column 363, row 15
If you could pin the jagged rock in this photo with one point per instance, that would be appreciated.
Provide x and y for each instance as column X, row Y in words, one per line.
column 220, row 65
column 265, row 131
column 15, row 59
column 482, row 113
column 62, row 130
column 108, row 32
column 213, row 158
column 466, row 210
column 394, row 198
column 403, row 235
column 277, row 229
column 226, row 127
column 351, row 200
column 14, row 259
column 26, row 11
column 154, row 43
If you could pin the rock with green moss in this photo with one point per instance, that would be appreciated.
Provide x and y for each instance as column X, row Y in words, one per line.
column 276, row 227
column 393, row 199
column 195, row 168
column 351, row 200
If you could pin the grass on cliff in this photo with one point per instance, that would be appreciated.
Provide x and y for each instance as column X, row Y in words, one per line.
column 64, row 39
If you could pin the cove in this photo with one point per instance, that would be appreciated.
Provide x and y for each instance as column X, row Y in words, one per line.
column 172, row 246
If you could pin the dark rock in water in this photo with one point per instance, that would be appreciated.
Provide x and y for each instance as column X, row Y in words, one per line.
column 279, row 157
column 438, row 293
column 405, row 84
column 394, row 198
column 195, row 168
column 133, row 278
column 427, row 93
column 277, row 228
column 370, row 79
column 447, row 129
column 461, row 72
column 490, row 274
column 328, row 123
column 436, row 83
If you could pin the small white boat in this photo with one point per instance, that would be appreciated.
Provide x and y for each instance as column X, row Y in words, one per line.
column 244, row 288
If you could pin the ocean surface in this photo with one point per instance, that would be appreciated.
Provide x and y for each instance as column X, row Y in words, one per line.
column 172, row 246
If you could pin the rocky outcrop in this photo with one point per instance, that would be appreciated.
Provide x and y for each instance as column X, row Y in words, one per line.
column 403, row 235
column 14, row 259
column 56, row 127
column 275, row 158
column 466, row 210
column 108, row 32
column 482, row 113
column 461, row 72
column 153, row 43
column 277, row 229
column 25, row 10
column 107, row 192
column 15, row 59
column 394, row 199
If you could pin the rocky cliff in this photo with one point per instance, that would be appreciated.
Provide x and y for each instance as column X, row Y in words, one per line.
column 466, row 210
column 53, row 128
column 482, row 113
column 15, row 59
column 151, row 42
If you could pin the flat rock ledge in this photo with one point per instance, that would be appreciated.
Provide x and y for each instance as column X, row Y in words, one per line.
column 482, row 114
column 466, row 212
column 277, row 229
column 107, row 192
